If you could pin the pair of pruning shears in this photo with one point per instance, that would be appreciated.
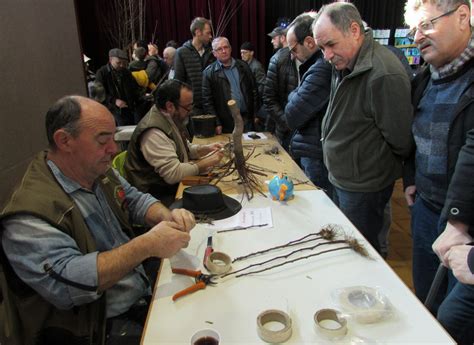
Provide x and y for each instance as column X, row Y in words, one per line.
column 201, row 281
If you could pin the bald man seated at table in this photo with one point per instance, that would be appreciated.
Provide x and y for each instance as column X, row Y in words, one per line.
column 71, row 265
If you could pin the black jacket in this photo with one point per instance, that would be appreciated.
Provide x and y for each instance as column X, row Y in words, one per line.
column 188, row 66
column 459, row 199
column 282, row 78
column 306, row 107
column 155, row 68
column 216, row 92
column 124, row 88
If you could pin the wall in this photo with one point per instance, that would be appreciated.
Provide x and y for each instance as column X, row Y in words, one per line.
column 41, row 61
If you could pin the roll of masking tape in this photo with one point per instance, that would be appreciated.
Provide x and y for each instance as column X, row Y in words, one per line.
column 330, row 323
column 363, row 303
column 218, row 263
column 271, row 336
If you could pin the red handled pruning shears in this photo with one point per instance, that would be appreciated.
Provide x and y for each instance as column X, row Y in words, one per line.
column 201, row 281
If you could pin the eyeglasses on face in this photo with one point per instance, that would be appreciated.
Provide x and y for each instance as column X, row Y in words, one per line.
column 426, row 26
column 221, row 49
column 293, row 49
column 187, row 108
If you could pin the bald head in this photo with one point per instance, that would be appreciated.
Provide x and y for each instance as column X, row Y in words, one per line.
column 168, row 55
column 66, row 114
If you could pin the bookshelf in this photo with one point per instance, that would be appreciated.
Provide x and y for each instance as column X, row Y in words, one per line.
column 381, row 35
column 407, row 46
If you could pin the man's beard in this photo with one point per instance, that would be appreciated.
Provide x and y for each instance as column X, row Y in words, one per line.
column 180, row 123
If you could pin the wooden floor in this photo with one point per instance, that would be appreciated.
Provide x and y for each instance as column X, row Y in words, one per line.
column 400, row 250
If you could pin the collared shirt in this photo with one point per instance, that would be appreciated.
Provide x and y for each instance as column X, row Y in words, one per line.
column 232, row 74
column 455, row 65
column 161, row 153
column 30, row 242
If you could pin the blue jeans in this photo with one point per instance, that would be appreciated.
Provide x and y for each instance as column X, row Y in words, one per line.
column 365, row 210
column 456, row 313
column 426, row 226
column 318, row 174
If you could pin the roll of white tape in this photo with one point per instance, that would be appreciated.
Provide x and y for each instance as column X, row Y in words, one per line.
column 271, row 336
column 330, row 323
column 218, row 263
column 363, row 303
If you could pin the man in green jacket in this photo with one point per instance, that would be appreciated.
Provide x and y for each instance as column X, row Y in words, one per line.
column 71, row 266
column 366, row 130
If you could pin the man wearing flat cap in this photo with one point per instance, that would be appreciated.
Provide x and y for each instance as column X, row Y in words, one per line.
column 278, row 36
column 282, row 78
column 121, row 90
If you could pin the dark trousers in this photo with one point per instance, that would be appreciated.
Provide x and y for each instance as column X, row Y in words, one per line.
column 318, row 174
column 365, row 210
column 456, row 313
column 127, row 328
column 425, row 229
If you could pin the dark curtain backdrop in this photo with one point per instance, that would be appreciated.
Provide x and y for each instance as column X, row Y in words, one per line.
column 170, row 19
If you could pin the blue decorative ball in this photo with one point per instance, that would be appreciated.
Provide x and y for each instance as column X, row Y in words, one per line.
column 281, row 188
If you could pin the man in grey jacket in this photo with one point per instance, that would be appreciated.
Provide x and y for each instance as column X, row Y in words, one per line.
column 366, row 129
column 193, row 57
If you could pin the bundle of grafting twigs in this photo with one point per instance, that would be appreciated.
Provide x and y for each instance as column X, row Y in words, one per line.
column 327, row 236
column 237, row 161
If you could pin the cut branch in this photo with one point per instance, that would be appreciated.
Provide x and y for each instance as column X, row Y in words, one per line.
column 291, row 261
column 327, row 234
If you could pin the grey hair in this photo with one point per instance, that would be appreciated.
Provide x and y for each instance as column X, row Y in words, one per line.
column 412, row 7
column 444, row 5
column 217, row 39
column 341, row 15
column 64, row 114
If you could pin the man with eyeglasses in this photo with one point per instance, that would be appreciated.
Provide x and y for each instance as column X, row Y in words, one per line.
column 307, row 103
column 438, row 182
column 159, row 154
column 225, row 79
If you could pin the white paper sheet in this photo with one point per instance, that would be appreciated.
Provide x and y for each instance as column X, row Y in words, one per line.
column 246, row 218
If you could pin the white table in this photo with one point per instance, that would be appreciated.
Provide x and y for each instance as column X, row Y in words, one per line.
column 300, row 288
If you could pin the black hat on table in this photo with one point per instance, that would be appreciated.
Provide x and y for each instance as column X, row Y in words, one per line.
column 207, row 200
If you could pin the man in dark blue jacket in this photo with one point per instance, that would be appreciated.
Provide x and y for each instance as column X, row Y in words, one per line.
column 307, row 103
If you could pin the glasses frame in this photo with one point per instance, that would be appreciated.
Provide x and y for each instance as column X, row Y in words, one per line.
column 185, row 108
column 221, row 49
column 293, row 49
column 428, row 24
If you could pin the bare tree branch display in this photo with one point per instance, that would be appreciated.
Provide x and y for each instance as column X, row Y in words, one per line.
column 237, row 160
column 227, row 12
column 123, row 21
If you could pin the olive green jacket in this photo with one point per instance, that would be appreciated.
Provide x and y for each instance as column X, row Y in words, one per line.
column 30, row 319
column 366, row 132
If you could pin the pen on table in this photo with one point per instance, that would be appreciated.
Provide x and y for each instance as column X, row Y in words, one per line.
column 242, row 228
column 208, row 250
